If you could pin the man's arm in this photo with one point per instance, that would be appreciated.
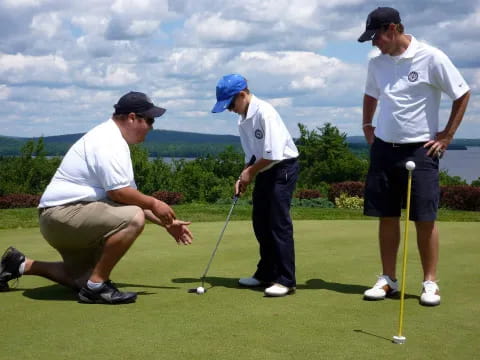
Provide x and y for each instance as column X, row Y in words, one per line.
column 131, row 196
column 369, row 107
column 445, row 137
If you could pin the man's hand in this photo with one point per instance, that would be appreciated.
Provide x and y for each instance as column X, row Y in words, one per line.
column 438, row 146
column 369, row 132
column 180, row 232
column 164, row 212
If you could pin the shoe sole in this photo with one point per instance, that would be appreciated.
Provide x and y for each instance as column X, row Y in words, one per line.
column 391, row 295
column 85, row 300
column 4, row 287
column 290, row 292
column 429, row 304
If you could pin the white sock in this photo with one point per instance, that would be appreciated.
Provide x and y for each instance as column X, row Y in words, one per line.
column 21, row 269
column 93, row 285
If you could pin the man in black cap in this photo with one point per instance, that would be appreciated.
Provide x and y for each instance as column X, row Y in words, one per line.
column 91, row 212
column 407, row 80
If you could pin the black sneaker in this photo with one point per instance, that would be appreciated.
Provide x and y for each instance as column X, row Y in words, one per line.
column 106, row 294
column 9, row 266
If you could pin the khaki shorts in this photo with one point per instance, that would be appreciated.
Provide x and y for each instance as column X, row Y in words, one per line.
column 78, row 231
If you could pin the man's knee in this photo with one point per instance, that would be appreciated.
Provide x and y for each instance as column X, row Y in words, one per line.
column 137, row 223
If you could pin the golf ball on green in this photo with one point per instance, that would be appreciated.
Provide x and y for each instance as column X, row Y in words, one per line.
column 200, row 290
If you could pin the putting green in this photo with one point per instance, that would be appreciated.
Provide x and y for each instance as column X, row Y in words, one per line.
column 325, row 319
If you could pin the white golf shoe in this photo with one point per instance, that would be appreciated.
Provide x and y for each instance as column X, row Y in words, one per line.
column 384, row 287
column 430, row 294
column 250, row 282
column 277, row 290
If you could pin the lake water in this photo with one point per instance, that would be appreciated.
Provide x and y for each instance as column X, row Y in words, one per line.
column 463, row 163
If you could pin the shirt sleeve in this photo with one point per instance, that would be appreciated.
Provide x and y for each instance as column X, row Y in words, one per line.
column 371, row 86
column 113, row 167
column 274, row 139
column 446, row 77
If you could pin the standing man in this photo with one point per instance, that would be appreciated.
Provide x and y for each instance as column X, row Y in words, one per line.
column 92, row 212
column 407, row 79
column 264, row 135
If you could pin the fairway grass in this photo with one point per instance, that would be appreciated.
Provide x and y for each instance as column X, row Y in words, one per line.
column 325, row 319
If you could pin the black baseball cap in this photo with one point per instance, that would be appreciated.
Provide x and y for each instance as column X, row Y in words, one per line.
column 138, row 103
column 376, row 19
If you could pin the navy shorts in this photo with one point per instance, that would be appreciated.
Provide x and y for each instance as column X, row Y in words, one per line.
column 387, row 180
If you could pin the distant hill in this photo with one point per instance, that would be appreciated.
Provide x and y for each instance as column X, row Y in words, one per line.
column 158, row 142
column 167, row 143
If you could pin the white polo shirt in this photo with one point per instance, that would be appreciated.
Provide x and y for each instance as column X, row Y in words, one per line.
column 263, row 133
column 409, row 88
column 98, row 162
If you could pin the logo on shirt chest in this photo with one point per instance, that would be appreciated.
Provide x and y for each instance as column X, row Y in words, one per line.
column 259, row 134
column 413, row 76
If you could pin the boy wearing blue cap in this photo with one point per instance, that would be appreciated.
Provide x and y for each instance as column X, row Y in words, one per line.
column 264, row 135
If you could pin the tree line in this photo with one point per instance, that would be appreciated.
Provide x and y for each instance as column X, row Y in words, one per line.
column 325, row 158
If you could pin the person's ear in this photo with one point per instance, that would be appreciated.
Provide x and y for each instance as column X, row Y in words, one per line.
column 131, row 117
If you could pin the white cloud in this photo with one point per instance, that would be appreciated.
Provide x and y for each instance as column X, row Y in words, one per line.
column 109, row 75
column 46, row 24
column 4, row 92
column 21, row 69
column 23, row 3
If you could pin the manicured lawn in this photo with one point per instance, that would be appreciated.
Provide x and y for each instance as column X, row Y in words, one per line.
column 325, row 319
column 26, row 218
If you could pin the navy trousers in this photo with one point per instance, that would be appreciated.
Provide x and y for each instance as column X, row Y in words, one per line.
column 272, row 224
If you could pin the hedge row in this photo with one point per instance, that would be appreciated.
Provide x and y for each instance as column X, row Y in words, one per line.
column 19, row 201
column 462, row 197
column 12, row 201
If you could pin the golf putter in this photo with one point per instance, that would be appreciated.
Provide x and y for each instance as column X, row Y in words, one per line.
column 234, row 202
column 400, row 338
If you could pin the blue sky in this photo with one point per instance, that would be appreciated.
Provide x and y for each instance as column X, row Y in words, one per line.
column 64, row 64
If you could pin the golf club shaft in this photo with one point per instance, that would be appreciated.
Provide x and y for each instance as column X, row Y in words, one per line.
column 405, row 250
column 235, row 199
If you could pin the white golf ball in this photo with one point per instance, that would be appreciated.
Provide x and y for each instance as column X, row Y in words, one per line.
column 410, row 165
column 200, row 290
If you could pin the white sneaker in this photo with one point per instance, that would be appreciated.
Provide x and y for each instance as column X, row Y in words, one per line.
column 384, row 287
column 278, row 290
column 250, row 282
column 430, row 294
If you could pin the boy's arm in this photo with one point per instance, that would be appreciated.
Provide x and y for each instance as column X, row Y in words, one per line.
column 248, row 174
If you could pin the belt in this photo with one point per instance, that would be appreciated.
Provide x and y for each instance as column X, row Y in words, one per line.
column 401, row 145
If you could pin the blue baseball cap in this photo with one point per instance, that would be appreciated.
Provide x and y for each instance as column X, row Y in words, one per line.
column 227, row 87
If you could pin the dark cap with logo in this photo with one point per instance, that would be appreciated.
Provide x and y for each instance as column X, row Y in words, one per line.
column 138, row 103
column 378, row 18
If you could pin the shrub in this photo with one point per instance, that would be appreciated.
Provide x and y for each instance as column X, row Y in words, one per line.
column 312, row 203
column 350, row 188
column 169, row 197
column 307, row 194
column 349, row 202
column 11, row 201
column 460, row 197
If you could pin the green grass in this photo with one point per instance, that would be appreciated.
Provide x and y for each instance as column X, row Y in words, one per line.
column 27, row 218
column 325, row 319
